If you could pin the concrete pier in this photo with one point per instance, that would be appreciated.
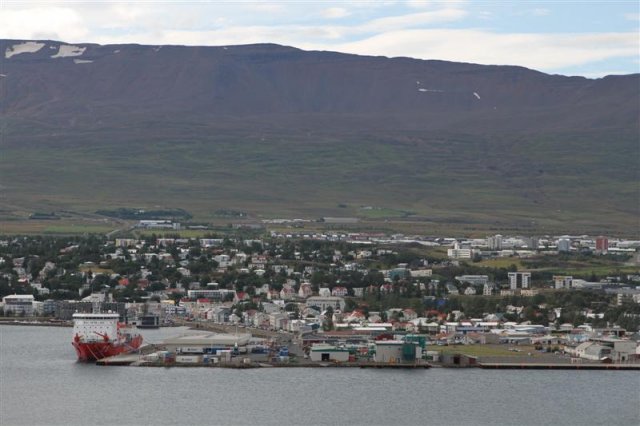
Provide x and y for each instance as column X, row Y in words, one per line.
column 122, row 359
column 558, row 366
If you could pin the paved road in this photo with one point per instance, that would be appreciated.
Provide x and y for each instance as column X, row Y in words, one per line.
column 231, row 328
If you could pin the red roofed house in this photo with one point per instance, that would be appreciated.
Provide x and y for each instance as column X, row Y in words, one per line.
column 143, row 283
column 409, row 314
column 339, row 291
column 355, row 316
column 287, row 293
column 305, row 290
column 273, row 295
column 240, row 296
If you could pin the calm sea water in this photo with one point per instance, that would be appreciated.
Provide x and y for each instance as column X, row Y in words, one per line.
column 41, row 384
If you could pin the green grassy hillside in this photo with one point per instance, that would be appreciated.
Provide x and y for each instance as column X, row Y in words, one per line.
column 538, row 182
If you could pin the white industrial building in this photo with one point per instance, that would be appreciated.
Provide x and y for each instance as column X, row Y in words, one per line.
column 18, row 304
column 397, row 351
column 205, row 342
column 562, row 281
column 519, row 280
column 459, row 253
column 336, row 303
column 322, row 352
column 473, row 279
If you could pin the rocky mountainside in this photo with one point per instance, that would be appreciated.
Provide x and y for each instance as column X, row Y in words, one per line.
column 499, row 125
column 87, row 79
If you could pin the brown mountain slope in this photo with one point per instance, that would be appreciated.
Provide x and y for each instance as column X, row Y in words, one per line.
column 440, row 139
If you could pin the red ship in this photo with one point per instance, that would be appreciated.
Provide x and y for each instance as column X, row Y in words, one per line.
column 97, row 336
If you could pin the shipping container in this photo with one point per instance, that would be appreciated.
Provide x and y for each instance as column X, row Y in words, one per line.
column 188, row 359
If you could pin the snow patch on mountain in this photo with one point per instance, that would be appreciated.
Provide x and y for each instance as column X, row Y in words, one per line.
column 68, row 50
column 26, row 47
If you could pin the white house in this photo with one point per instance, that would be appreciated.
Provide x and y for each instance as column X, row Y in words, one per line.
column 339, row 291
column 470, row 291
column 305, row 290
column 223, row 260
column 324, row 291
column 409, row 314
column 325, row 302
column 18, row 304
column 421, row 273
column 452, row 289
column 287, row 293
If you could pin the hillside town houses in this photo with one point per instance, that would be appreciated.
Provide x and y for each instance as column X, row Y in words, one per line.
column 321, row 284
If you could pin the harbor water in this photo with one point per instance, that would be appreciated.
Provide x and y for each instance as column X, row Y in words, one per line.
column 42, row 384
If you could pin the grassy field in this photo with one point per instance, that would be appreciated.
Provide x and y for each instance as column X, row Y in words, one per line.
column 599, row 266
column 452, row 184
column 600, row 271
column 502, row 262
column 382, row 213
column 77, row 229
column 183, row 233
column 62, row 227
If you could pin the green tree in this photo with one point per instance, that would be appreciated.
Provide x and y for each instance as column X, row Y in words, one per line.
column 328, row 319
column 350, row 304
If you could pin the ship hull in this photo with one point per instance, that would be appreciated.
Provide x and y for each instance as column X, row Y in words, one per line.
column 93, row 351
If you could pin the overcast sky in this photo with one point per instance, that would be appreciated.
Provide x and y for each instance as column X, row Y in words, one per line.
column 589, row 38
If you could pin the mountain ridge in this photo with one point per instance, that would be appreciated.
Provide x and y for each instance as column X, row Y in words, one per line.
column 433, row 135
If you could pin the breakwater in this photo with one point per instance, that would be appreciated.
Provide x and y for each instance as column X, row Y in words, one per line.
column 35, row 323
